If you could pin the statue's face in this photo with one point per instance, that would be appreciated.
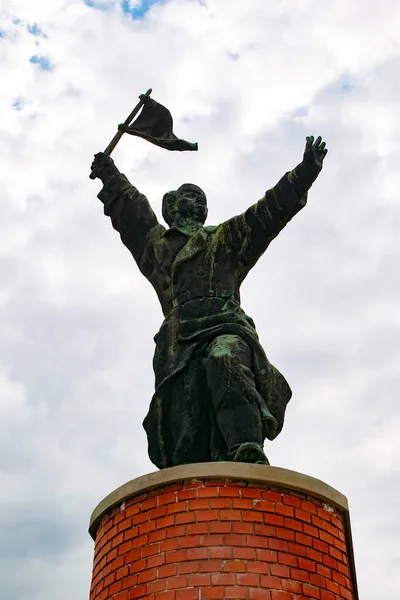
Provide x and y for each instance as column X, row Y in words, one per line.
column 184, row 205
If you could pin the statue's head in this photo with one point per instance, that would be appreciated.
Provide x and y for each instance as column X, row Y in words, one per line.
column 187, row 204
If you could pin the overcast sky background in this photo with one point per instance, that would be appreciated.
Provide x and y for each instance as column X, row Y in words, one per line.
column 248, row 81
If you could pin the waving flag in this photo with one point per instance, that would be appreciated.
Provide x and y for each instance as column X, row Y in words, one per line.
column 155, row 124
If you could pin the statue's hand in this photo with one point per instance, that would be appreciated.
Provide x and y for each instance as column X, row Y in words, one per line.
column 123, row 128
column 103, row 167
column 144, row 98
column 314, row 152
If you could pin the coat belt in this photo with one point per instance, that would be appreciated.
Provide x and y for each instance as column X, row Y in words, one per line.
column 201, row 293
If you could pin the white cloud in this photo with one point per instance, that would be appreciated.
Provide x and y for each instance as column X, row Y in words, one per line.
column 12, row 398
column 132, row 4
column 248, row 81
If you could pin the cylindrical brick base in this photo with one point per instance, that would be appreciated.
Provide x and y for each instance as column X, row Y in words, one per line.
column 223, row 530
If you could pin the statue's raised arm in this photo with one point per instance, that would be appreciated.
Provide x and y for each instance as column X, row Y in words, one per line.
column 130, row 212
column 251, row 232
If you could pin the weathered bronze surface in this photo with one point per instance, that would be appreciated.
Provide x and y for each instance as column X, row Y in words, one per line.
column 217, row 397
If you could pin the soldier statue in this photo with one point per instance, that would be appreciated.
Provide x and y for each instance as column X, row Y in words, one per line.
column 217, row 397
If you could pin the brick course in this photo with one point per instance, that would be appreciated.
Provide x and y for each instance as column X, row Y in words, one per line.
column 211, row 539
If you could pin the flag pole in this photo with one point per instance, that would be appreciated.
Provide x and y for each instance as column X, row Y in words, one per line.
column 119, row 134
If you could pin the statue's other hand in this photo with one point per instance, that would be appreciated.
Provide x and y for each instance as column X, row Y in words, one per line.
column 315, row 151
column 103, row 167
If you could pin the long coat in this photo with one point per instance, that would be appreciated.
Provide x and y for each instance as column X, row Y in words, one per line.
column 197, row 279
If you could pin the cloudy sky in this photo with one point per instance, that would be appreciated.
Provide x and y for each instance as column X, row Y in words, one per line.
column 247, row 81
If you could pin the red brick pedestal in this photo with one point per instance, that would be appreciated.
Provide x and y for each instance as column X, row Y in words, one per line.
column 223, row 530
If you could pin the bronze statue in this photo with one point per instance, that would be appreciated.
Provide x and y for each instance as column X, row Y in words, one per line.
column 217, row 397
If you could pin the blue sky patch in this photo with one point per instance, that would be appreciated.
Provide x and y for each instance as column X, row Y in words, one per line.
column 99, row 4
column 42, row 61
column 139, row 9
column 93, row 4
column 17, row 104
column 134, row 8
column 34, row 29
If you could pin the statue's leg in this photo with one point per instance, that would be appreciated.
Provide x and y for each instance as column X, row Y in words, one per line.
column 188, row 427
column 235, row 399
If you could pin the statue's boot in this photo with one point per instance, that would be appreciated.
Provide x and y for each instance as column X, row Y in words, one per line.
column 241, row 429
column 250, row 452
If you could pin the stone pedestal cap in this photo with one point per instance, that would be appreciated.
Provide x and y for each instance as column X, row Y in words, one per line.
column 275, row 476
